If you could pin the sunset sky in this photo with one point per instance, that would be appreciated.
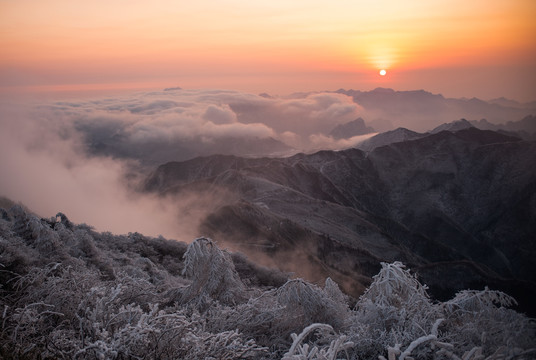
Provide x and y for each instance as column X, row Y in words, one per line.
column 482, row 48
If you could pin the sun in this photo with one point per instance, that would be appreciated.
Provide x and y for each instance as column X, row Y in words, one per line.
column 383, row 72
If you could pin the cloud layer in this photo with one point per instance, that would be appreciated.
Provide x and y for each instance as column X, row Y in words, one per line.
column 87, row 157
column 182, row 118
column 79, row 157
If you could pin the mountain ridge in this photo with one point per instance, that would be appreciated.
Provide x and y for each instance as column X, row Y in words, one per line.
column 428, row 200
column 420, row 109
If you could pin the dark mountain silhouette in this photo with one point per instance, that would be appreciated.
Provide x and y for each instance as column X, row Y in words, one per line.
column 456, row 206
column 349, row 129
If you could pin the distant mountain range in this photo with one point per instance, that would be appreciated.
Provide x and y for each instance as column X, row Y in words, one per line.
column 421, row 110
column 524, row 128
column 156, row 131
column 457, row 205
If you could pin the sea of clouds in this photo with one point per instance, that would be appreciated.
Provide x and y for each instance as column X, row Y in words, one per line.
column 184, row 116
column 88, row 157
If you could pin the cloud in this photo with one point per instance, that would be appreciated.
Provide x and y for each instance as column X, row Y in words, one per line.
column 304, row 115
column 50, row 172
column 145, row 126
column 219, row 114
column 236, row 130
column 86, row 158
column 320, row 141
column 83, row 157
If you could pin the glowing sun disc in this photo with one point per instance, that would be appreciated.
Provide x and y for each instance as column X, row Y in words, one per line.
column 383, row 72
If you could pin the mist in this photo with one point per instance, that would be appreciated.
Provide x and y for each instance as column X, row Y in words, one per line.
column 46, row 167
column 161, row 126
column 89, row 157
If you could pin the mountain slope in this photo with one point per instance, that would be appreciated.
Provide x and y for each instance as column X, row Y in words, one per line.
column 464, row 198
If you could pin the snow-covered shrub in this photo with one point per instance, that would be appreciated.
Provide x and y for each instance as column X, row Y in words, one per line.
column 111, row 329
column 273, row 315
column 395, row 309
column 255, row 275
column 41, row 302
column 212, row 273
column 394, row 286
column 261, row 319
column 36, row 233
column 130, row 331
column 16, row 258
column 64, row 220
column 94, row 255
column 224, row 345
column 167, row 253
column 481, row 318
column 320, row 349
column 81, row 316
column 58, row 299
column 307, row 303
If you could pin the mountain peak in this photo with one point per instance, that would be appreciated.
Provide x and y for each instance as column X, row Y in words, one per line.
column 383, row 90
column 453, row 126
column 350, row 129
column 389, row 137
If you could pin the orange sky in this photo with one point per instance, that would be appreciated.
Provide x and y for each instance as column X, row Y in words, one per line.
column 483, row 48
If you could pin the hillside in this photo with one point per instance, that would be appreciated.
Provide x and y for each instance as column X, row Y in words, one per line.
column 70, row 292
column 457, row 207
